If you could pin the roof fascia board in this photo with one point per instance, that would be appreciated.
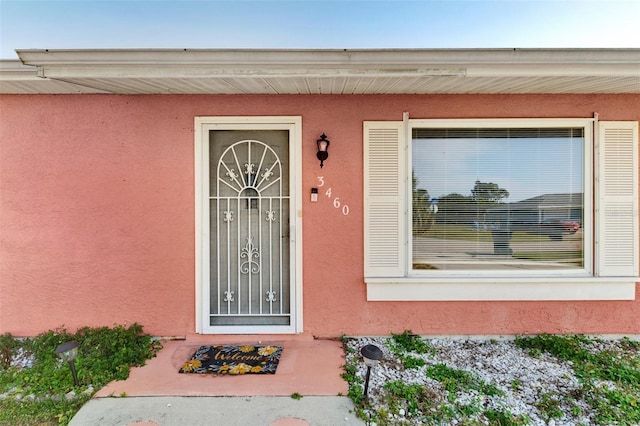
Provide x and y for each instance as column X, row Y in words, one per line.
column 11, row 69
column 203, row 71
column 185, row 63
column 328, row 57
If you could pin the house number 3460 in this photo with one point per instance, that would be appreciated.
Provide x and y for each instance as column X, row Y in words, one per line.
column 336, row 200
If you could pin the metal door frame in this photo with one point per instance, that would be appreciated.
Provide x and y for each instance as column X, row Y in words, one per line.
column 203, row 125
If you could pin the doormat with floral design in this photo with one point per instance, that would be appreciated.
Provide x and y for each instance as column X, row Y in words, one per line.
column 228, row 359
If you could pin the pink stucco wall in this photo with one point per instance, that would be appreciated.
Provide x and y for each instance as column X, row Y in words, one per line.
column 97, row 214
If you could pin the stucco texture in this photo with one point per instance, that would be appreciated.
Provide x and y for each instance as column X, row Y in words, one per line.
column 97, row 213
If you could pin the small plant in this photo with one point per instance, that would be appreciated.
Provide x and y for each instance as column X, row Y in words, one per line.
column 503, row 417
column 468, row 410
column 296, row 396
column 570, row 347
column 628, row 344
column 456, row 380
column 409, row 362
column 534, row 352
column 576, row 411
column 413, row 396
column 409, row 342
column 350, row 375
column 8, row 347
column 549, row 407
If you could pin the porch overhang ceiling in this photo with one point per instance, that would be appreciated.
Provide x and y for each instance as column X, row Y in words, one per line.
column 268, row 71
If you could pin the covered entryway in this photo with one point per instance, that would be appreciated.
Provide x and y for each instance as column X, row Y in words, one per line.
column 248, row 252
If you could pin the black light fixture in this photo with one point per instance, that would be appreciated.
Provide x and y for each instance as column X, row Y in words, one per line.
column 371, row 355
column 68, row 352
column 323, row 147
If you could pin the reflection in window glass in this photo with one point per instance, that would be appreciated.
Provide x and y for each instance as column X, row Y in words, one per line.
column 497, row 199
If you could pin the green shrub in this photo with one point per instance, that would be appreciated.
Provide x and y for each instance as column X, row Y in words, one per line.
column 104, row 354
column 8, row 347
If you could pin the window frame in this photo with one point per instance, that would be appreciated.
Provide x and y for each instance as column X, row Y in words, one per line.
column 588, row 151
column 387, row 188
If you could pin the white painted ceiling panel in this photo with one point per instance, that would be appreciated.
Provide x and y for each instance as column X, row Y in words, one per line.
column 339, row 85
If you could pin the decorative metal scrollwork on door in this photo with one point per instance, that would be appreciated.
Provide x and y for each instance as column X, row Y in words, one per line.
column 250, row 252
column 250, row 255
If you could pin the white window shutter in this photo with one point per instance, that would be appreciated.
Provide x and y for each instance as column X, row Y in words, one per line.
column 384, row 217
column 617, row 206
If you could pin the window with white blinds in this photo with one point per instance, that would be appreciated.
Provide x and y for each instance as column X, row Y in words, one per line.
column 499, row 198
column 501, row 209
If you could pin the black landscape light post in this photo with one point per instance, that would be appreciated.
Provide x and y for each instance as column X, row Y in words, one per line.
column 67, row 352
column 371, row 355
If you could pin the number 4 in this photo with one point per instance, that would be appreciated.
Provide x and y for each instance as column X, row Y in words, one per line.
column 328, row 192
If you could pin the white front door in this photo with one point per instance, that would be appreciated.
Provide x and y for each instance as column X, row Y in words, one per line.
column 248, row 248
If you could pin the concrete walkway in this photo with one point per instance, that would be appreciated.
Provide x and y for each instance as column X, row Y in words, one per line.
column 156, row 394
column 214, row 411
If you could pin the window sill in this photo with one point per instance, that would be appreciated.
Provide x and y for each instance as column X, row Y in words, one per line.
column 501, row 289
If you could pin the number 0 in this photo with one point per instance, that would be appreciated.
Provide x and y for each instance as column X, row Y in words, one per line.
column 345, row 209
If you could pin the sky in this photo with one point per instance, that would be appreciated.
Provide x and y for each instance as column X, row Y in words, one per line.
column 312, row 24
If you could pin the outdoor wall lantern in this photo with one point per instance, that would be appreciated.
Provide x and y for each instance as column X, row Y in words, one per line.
column 68, row 352
column 323, row 147
column 371, row 355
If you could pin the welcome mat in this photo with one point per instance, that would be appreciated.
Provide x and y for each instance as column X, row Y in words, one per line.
column 229, row 359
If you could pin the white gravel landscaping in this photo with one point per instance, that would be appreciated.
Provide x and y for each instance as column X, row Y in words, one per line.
column 534, row 387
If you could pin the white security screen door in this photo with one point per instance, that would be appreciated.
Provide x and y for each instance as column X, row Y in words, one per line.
column 250, row 253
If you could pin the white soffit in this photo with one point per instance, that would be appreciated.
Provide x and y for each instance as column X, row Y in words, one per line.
column 21, row 79
column 393, row 71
